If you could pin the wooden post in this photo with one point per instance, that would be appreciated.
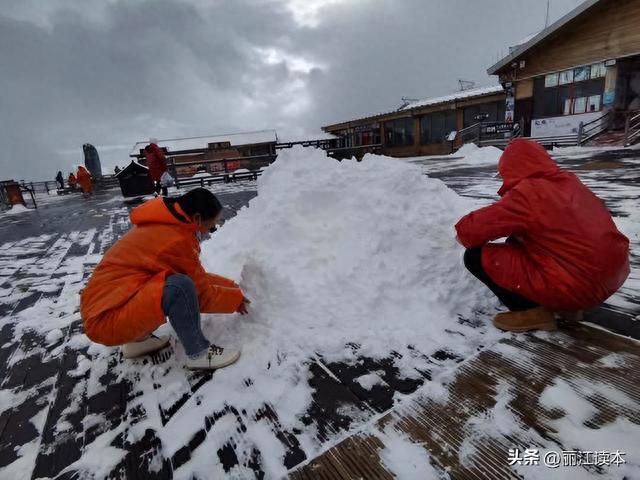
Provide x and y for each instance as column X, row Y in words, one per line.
column 580, row 132
column 626, row 128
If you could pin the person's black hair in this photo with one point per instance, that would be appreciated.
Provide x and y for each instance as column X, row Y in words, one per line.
column 199, row 200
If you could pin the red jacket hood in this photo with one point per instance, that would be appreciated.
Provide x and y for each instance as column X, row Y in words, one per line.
column 159, row 210
column 524, row 159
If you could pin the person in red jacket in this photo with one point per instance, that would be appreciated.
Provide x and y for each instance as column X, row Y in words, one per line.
column 156, row 163
column 563, row 253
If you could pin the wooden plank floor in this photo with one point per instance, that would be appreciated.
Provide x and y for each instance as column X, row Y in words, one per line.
column 526, row 365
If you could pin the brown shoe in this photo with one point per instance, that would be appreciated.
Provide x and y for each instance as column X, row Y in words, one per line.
column 533, row 319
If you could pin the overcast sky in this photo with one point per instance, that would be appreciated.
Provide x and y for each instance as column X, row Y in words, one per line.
column 113, row 72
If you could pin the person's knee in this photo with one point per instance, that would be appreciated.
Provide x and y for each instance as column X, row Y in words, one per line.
column 473, row 259
column 182, row 282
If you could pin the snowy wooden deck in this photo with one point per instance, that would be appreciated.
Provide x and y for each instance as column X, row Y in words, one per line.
column 469, row 434
column 61, row 411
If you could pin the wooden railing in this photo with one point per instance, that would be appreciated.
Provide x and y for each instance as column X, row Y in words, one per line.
column 632, row 128
column 590, row 130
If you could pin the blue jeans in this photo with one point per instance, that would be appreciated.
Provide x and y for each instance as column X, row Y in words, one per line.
column 180, row 304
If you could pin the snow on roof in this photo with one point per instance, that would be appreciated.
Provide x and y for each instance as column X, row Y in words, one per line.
column 460, row 95
column 194, row 143
column 517, row 45
column 531, row 42
column 474, row 92
column 306, row 138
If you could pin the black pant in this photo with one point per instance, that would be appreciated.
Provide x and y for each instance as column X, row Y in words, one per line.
column 511, row 300
column 159, row 187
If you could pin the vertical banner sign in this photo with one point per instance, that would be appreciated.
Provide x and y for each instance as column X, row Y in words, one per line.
column 510, row 103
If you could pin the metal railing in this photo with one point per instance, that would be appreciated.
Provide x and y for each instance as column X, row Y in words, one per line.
column 588, row 131
column 185, row 181
column 632, row 128
column 470, row 134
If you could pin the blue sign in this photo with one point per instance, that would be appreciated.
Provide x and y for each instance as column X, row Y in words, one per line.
column 609, row 97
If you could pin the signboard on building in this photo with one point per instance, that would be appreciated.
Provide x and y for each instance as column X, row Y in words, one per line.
column 497, row 128
column 565, row 125
column 510, row 102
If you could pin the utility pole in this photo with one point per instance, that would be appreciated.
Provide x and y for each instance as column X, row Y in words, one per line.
column 546, row 18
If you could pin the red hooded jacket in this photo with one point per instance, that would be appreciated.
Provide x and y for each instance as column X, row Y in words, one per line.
column 156, row 161
column 569, row 255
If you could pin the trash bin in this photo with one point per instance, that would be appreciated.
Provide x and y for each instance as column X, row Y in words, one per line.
column 135, row 181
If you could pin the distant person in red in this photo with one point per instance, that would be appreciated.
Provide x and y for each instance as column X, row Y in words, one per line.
column 157, row 164
column 73, row 183
column 562, row 254
column 84, row 179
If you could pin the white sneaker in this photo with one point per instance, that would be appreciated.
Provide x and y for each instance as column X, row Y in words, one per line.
column 147, row 345
column 214, row 357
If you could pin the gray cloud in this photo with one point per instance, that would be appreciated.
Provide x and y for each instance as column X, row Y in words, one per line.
column 114, row 72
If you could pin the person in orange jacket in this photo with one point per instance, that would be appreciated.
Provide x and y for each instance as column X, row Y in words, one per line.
column 153, row 272
column 84, row 179
column 73, row 183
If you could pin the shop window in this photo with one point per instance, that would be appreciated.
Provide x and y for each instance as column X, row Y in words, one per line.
column 450, row 122
column 564, row 101
column 593, row 104
column 367, row 135
column 435, row 127
column 438, row 130
column 551, row 80
column 550, row 102
column 399, row 133
column 598, row 70
column 567, row 99
column 425, row 129
column 565, row 77
column 581, row 74
column 580, row 105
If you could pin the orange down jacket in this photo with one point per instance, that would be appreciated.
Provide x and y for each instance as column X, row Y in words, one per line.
column 84, row 179
column 122, row 300
column 568, row 254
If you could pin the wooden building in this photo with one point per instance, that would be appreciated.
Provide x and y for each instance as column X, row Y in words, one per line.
column 249, row 150
column 422, row 127
column 579, row 68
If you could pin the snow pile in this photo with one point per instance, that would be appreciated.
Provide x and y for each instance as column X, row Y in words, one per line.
column 335, row 252
column 475, row 155
column 469, row 155
column 329, row 253
column 18, row 209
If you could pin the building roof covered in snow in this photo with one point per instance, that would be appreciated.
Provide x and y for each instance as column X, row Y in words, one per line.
column 174, row 145
column 296, row 138
column 461, row 95
column 519, row 50
column 464, row 94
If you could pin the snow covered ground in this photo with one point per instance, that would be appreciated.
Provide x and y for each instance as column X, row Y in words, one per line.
column 360, row 305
